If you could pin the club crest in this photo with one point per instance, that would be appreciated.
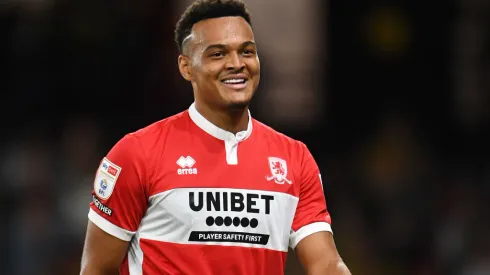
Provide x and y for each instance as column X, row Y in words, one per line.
column 279, row 171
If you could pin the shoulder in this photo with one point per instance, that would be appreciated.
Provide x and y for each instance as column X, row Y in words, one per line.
column 160, row 127
column 142, row 147
column 274, row 137
column 145, row 139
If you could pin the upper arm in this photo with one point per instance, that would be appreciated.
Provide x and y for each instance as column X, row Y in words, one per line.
column 318, row 255
column 311, row 233
column 311, row 212
column 118, row 205
column 102, row 253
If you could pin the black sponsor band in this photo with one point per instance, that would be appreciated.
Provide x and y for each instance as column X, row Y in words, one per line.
column 101, row 207
column 229, row 237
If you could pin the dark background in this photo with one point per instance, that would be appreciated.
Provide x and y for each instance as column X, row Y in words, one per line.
column 401, row 141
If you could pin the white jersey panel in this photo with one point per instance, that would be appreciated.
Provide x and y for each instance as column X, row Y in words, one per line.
column 135, row 256
column 220, row 216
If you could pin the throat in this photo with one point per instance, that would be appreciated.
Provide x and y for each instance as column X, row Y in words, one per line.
column 232, row 119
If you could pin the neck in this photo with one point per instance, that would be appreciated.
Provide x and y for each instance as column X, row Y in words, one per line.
column 231, row 120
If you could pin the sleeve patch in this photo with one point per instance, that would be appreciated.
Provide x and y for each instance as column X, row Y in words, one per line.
column 106, row 178
column 104, row 209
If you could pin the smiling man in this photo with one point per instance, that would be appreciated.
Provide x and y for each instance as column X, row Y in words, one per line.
column 210, row 190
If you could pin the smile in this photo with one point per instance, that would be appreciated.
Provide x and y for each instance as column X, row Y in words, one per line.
column 235, row 83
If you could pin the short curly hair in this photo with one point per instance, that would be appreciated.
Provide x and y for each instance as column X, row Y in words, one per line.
column 207, row 9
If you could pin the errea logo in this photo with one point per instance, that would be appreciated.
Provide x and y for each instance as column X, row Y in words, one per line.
column 186, row 164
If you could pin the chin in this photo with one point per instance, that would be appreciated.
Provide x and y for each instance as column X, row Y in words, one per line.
column 234, row 100
column 238, row 105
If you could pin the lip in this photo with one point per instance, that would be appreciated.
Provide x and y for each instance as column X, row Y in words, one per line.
column 234, row 76
column 239, row 86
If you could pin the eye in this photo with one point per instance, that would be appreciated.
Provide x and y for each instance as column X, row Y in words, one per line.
column 248, row 52
column 217, row 54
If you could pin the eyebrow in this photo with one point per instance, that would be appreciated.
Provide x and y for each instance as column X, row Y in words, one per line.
column 222, row 46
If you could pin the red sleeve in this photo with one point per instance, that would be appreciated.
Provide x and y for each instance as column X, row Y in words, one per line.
column 119, row 197
column 311, row 213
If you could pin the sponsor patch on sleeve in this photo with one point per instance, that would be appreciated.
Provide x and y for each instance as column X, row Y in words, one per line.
column 101, row 206
column 106, row 178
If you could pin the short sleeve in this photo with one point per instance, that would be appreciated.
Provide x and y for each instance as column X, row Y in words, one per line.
column 311, row 213
column 119, row 197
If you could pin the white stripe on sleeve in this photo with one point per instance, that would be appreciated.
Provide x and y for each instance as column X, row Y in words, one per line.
column 110, row 228
column 306, row 231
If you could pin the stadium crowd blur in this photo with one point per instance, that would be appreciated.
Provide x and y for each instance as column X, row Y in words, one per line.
column 392, row 98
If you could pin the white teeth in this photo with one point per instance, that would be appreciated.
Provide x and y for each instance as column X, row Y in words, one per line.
column 234, row 81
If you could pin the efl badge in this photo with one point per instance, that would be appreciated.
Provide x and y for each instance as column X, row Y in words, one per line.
column 106, row 178
column 279, row 170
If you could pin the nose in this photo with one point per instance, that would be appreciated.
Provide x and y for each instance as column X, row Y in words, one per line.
column 235, row 61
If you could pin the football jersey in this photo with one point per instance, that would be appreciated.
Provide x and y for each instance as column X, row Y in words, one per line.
column 192, row 198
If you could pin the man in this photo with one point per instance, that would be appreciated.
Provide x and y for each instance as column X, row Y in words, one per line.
column 210, row 190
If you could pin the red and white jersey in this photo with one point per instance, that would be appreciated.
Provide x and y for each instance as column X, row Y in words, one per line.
column 192, row 198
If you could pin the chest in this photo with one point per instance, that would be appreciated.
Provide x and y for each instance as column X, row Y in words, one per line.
column 201, row 198
column 257, row 167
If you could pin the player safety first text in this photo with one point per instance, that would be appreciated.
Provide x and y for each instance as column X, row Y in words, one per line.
column 238, row 237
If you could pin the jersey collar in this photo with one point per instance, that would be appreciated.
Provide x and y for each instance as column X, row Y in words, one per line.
column 215, row 131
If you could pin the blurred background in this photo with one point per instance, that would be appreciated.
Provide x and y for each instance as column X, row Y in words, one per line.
column 392, row 97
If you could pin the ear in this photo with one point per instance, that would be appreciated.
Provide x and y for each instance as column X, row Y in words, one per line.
column 185, row 67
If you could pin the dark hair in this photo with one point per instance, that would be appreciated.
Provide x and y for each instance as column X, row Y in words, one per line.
column 207, row 9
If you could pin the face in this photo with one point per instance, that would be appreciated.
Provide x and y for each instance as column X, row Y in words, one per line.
column 220, row 60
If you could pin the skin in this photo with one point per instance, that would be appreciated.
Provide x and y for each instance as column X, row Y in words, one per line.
column 217, row 48
column 102, row 253
column 319, row 256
